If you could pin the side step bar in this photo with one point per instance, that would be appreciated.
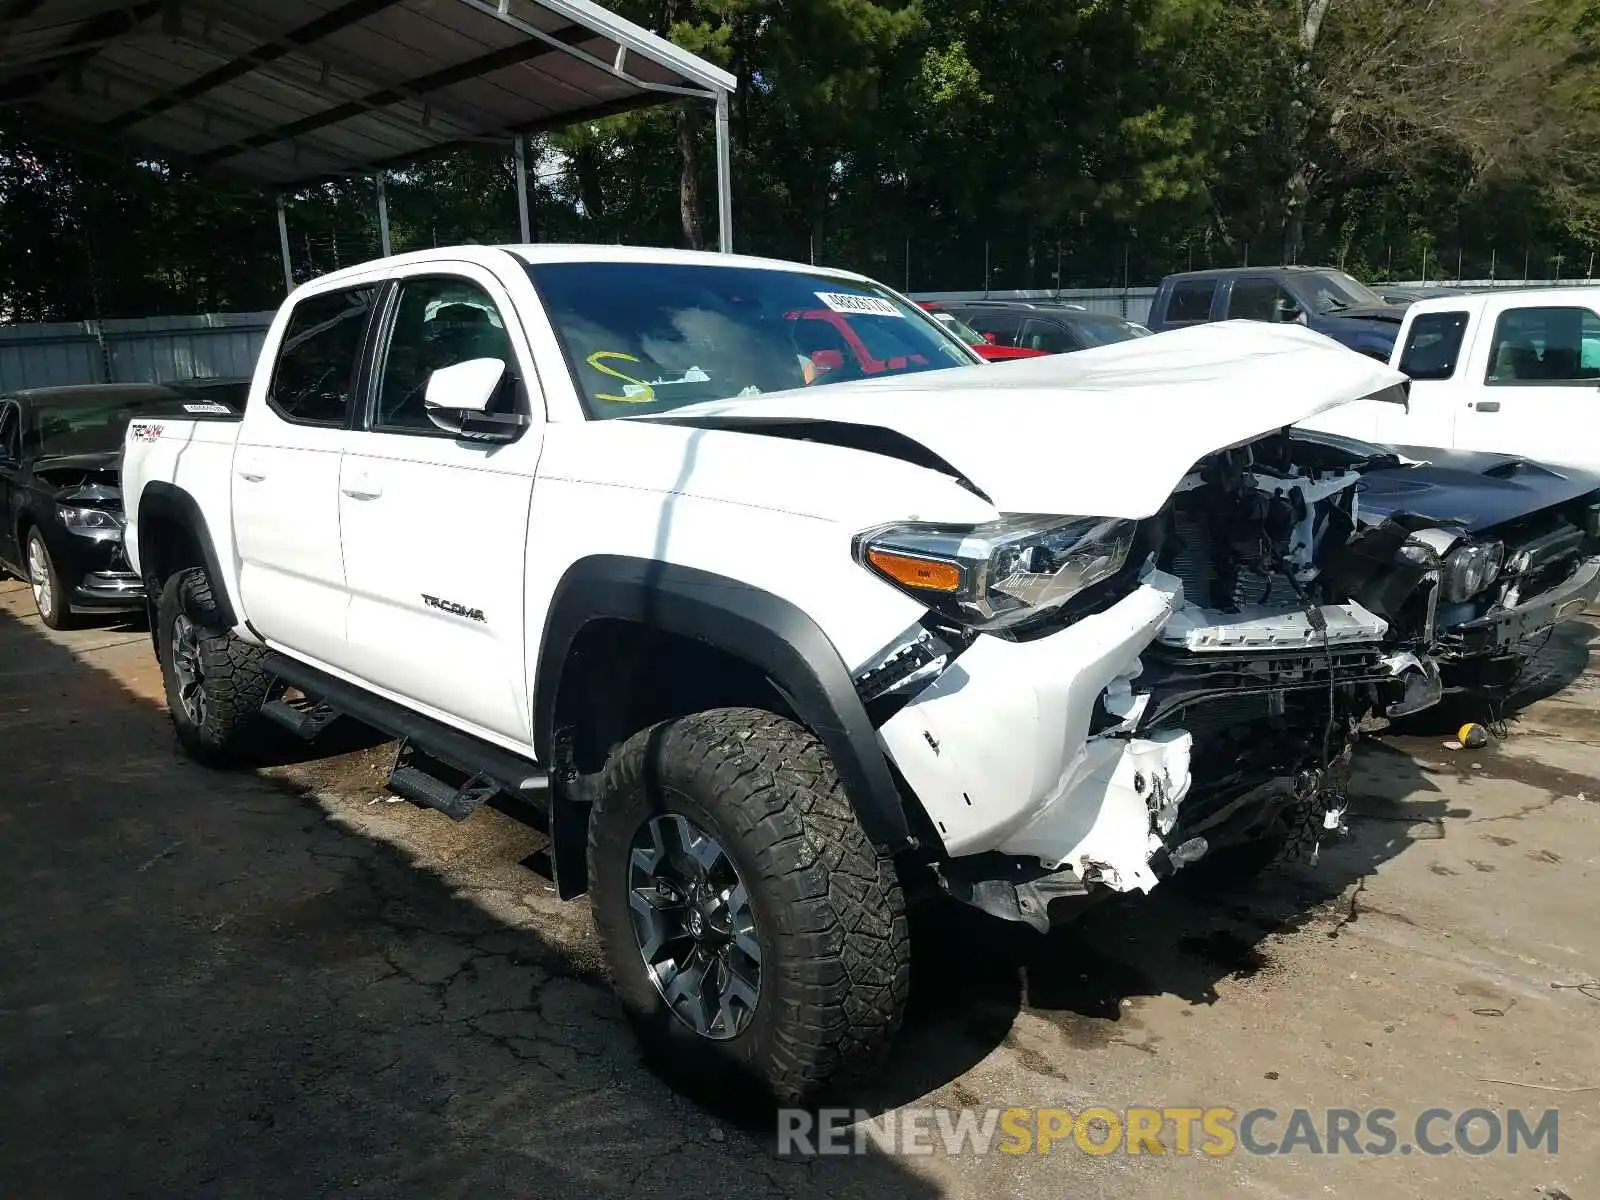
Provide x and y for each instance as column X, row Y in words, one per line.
column 430, row 751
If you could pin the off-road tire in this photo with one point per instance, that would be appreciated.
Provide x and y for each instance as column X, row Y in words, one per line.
column 57, row 613
column 235, row 675
column 829, row 911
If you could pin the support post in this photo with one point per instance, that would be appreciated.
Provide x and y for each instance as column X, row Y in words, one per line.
column 519, row 157
column 283, row 246
column 724, row 178
column 383, row 215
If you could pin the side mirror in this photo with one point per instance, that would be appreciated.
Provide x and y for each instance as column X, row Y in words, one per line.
column 1287, row 310
column 459, row 396
column 990, row 339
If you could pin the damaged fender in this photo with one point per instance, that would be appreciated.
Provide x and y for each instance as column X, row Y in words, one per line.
column 998, row 747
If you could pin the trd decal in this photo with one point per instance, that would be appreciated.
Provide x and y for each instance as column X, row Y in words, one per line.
column 454, row 609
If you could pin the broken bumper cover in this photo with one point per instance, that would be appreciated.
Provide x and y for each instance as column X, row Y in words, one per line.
column 1499, row 632
column 999, row 752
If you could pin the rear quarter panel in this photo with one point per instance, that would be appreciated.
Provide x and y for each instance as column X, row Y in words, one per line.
column 196, row 457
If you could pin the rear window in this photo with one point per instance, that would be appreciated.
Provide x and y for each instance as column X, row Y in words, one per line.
column 651, row 337
column 315, row 371
column 1191, row 302
column 1433, row 347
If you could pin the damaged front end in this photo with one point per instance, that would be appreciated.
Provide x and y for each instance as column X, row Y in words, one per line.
column 1196, row 680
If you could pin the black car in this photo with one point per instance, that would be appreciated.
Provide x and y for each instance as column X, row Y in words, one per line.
column 1514, row 545
column 60, row 495
column 1043, row 326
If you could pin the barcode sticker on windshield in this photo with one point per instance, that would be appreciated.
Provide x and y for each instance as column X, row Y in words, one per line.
column 220, row 409
column 863, row 306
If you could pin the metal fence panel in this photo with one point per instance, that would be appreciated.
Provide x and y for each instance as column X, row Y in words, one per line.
column 143, row 350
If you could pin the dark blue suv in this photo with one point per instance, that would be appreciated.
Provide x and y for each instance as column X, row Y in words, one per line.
column 1322, row 298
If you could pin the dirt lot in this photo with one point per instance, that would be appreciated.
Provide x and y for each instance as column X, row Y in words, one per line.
column 284, row 985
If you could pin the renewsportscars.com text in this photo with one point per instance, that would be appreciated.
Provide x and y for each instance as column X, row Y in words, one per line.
column 1212, row 1131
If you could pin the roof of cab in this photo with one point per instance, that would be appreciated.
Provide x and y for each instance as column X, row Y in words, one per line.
column 491, row 256
column 1473, row 302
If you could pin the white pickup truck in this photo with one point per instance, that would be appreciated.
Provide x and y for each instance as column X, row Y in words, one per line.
column 1514, row 371
column 776, row 603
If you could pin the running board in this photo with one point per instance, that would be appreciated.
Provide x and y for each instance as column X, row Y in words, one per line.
column 422, row 780
column 470, row 757
column 304, row 718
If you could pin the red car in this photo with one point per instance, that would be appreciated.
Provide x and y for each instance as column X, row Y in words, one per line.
column 983, row 344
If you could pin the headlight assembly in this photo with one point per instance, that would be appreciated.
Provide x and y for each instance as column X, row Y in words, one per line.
column 995, row 575
column 1464, row 567
column 1470, row 568
column 88, row 520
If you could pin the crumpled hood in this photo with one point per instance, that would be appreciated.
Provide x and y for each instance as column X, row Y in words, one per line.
column 1108, row 432
column 1479, row 491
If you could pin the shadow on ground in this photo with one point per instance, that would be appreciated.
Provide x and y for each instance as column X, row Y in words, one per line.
column 210, row 987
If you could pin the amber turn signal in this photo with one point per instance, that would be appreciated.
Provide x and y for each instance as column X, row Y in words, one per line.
column 924, row 574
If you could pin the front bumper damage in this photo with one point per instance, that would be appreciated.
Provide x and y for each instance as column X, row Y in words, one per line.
column 1066, row 766
column 1000, row 752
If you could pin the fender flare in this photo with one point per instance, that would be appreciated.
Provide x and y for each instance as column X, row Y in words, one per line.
column 754, row 625
column 174, row 504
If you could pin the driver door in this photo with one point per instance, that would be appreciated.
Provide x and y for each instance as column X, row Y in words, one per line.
column 435, row 528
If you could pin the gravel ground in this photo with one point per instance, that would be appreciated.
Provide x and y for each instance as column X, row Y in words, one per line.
column 282, row 983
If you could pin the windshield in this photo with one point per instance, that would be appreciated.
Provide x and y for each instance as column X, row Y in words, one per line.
column 1334, row 290
column 1104, row 330
column 92, row 425
column 650, row 337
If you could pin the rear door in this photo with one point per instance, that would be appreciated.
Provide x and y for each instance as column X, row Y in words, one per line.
column 435, row 528
column 1537, row 382
column 286, row 475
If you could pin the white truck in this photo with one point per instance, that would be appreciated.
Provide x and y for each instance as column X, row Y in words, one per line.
column 768, row 643
column 1514, row 371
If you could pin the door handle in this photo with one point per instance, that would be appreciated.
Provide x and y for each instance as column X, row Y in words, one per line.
column 251, row 476
column 248, row 467
column 1487, row 406
column 362, row 487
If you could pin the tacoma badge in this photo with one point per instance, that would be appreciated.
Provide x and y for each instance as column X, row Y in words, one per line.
column 450, row 606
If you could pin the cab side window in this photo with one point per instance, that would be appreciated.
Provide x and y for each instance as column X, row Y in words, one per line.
column 1433, row 347
column 439, row 322
column 1190, row 302
column 1548, row 345
column 315, row 372
column 1257, row 300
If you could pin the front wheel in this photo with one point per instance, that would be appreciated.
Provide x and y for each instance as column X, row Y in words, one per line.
column 49, row 596
column 756, row 939
column 215, row 683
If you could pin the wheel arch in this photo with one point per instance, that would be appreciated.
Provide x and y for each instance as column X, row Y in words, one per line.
column 174, row 535
column 739, row 624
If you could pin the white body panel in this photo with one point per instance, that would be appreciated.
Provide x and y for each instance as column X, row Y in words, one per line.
column 1550, row 421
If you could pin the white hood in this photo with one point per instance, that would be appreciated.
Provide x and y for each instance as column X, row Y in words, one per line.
column 1109, row 432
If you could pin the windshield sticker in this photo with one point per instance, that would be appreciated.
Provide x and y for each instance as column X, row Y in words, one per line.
column 208, row 408
column 146, row 433
column 861, row 306
column 635, row 391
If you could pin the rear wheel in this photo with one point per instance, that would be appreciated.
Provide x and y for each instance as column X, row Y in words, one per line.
column 757, row 941
column 215, row 683
column 49, row 596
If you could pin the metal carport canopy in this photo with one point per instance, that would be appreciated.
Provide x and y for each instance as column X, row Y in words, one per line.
column 290, row 92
